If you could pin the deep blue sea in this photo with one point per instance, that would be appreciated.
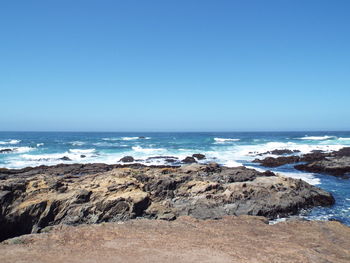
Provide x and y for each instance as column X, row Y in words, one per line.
column 227, row 148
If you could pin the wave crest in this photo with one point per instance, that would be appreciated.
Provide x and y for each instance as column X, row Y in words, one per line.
column 223, row 140
column 317, row 138
column 10, row 142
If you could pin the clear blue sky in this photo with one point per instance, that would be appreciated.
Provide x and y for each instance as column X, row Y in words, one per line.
column 169, row 65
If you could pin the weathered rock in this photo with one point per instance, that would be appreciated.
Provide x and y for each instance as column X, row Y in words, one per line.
column 65, row 158
column 34, row 198
column 6, row 150
column 337, row 166
column 189, row 159
column 335, row 163
column 127, row 159
column 280, row 152
column 275, row 162
column 198, row 156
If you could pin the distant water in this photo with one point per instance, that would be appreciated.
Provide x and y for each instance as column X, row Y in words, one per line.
column 229, row 148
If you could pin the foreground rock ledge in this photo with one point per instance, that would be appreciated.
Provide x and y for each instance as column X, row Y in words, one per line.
column 35, row 198
column 231, row 239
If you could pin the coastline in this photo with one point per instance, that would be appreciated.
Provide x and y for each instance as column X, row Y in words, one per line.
column 49, row 208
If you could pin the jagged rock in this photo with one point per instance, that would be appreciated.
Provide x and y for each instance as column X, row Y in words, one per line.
column 280, row 152
column 6, row 150
column 127, row 159
column 275, row 162
column 335, row 163
column 65, row 158
column 189, row 159
column 337, row 166
column 198, row 156
column 34, row 198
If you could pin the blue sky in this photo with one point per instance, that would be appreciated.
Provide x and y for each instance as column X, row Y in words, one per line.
column 181, row 65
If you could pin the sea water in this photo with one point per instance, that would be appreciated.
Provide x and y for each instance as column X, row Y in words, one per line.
column 226, row 148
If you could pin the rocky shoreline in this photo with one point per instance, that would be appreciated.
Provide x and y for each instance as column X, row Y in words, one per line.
column 335, row 163
column 32, row 199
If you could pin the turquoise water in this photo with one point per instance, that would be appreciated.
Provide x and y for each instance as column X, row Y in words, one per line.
column 229, row 148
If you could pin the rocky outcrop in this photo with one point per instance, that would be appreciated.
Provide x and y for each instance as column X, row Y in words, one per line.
column 337, row 166
column 275, row 162
column 198, row 156
column 34, row 198
column 6, row 150
column 127, row 159
column 65, row 158
column 189, row 159
column 335, row 163
column 280, row 152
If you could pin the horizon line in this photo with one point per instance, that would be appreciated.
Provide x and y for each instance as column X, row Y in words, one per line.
column 164, row 131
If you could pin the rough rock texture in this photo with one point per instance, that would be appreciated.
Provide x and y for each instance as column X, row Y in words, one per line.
column 34, row 198
column 243, row 239
column 280, row 152
column 337, row 166
column 198, row 156
column 335, row 163
column 6, row 150
column 189, row 159
column 127, row 159
column 275, row 162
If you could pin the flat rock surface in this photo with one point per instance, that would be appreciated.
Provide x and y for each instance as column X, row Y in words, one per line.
column 231, row 239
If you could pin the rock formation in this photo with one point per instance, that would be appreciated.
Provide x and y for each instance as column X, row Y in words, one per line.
column 335, row 163
column 34, row 198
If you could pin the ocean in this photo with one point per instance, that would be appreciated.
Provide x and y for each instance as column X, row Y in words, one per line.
column 226, row 148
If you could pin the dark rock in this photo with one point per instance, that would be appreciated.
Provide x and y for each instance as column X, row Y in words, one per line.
column 336, row 166
column 198, row 156
column 168, row 160
column 6, row 150
column 280, row 152
column 275, row 162
column 342, row 152
column 189, row 159
column 142, row 137
column 65, row 158
column 82, row 156
column 127, row 159
column 335, row 163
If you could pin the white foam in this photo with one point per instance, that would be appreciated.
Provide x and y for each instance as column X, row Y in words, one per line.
column 307, row 177
column 126, row 138
column 82, row 150
column 18, row 149
column 10, row 142
column 147, row 150
column 232, row 163
column 317, row 138
column 110, row 139
column 343, row 139
column 130, row 138
column 223, row 140
column 253, row 150
column 39, row 144
column 74, row 155
column 77, row 143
